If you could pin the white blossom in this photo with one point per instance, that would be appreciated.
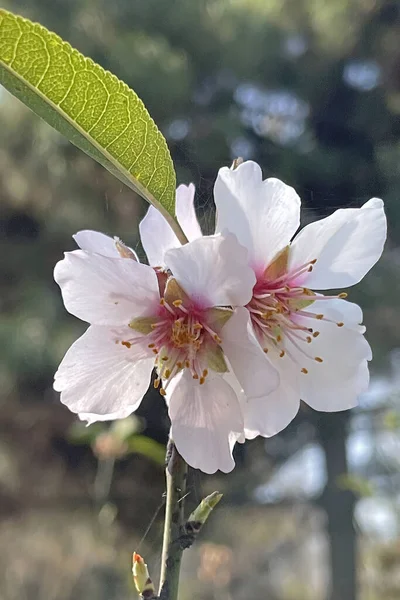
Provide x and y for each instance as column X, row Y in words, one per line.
column 173, row 319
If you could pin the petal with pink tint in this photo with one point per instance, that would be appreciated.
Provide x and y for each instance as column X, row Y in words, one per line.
column 256, row 374
column 99, row 243
column 269, row 414
column 346, row 245
column 206, row 421
column 335, row 383
column 157, row 237
column 101, row 379
column 106, row 291
column 264, row 215
column 213, row 271
column 185, row 212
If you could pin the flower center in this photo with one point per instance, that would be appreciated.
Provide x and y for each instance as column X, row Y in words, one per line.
column 277, row 303
column 183, row 336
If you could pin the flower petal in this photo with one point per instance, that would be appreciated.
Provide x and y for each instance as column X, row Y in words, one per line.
column 206, row 419
column 249, row 363
column 268, row 415
column 339, row 311
column 100, row 379
column 346, row 245
column 94, row 241
column 213, row 270
column 157, row 237
column 156, row 234
column 106, row 291
column 335, row 383
column 264, row 215
column 185, row 212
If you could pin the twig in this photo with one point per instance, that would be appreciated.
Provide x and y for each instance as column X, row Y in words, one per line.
column 176, row 473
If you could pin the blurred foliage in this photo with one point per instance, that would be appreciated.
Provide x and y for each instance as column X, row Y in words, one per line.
column 311, row 90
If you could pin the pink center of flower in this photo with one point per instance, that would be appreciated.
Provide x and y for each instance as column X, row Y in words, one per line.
column 178, row 340
column 277, row 303
column 182, row 336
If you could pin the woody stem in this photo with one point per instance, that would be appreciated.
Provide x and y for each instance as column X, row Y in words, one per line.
column 176, row 473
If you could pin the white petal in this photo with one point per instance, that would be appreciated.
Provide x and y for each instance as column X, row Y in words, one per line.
column 346, row 245
column 249, row 363
column 101, row 379
column 185, row 212
column 268, row 415
column 157, row 237
column 94, row 241
column 213, row 270
column 206, row 419
column 106, row 291
column 336, row 383
column 264, row 215
column 340, row 311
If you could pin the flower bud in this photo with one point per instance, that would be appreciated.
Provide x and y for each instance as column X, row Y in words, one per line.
column 141, row 578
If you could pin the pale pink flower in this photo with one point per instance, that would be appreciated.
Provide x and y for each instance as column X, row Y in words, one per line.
column 316, row 342
column 178, row 320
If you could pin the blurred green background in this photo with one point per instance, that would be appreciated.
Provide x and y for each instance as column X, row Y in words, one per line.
column 311, row 90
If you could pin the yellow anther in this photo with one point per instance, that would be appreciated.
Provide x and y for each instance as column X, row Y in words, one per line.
column 205, row 372
column 309, row 339
column 319, row 359
column 282, row 354
column 265, row 350
column 217, row 338
column 151, row 345
column 168, row 373
column 163, row 392
column 126, row 344
column 187, row 364
column 342, row 295
column 177, row 303
column 162, row 301
column 198, row 326
column 304, row 370
column 157, row 382
column 179, row 364
column 315, row 334
column 202, row 380
column 340, row 324
column 279, row 337
column 319, row 317
column 195, row 376
column 155, row 351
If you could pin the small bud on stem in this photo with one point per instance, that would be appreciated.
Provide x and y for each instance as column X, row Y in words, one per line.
column 141, row 578
column 197, row 519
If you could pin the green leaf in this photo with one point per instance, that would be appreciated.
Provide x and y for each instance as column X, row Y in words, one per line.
column 90, row 106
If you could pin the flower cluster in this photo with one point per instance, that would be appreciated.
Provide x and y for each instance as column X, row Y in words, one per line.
column 231, row 323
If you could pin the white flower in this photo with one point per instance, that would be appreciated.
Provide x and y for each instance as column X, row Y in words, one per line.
column 156, row 234
column 174, row 320
column 316, row 342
